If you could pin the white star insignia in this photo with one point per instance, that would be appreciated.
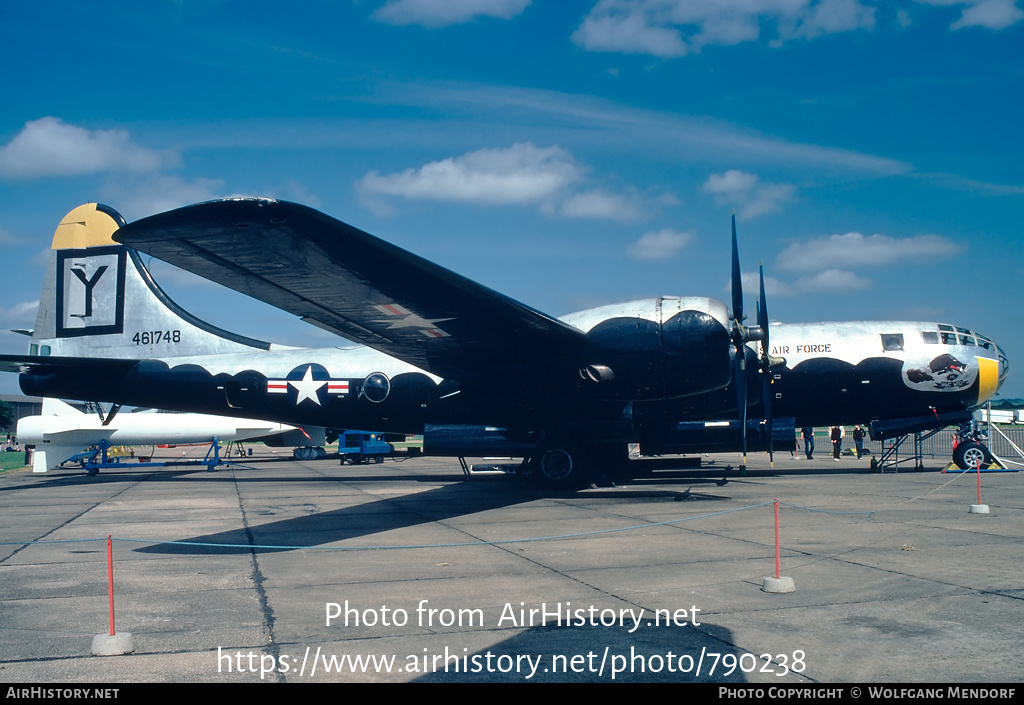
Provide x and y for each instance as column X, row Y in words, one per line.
column 307, row 387
column 415, row 321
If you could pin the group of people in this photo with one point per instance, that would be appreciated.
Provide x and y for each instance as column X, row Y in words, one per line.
column 836, row 435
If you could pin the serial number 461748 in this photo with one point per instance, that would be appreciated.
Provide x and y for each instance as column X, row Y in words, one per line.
column 152, row 337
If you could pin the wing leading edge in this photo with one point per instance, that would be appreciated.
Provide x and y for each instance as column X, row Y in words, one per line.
column 349, row 282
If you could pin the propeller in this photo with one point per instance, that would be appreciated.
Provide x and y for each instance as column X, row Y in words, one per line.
column 741, row 335
column 738, row 341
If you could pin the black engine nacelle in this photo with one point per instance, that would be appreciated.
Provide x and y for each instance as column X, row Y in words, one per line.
column 659, row 349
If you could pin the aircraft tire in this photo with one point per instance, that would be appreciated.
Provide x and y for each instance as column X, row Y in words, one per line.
column 556, row 467
column 967, row 455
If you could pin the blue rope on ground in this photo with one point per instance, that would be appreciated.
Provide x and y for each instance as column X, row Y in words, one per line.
column 433, row 545
column 824, row 511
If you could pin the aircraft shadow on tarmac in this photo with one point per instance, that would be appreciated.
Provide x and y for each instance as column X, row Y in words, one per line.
column 459, row 498
column 380, row 515
column 587, row 654
column 364, row 519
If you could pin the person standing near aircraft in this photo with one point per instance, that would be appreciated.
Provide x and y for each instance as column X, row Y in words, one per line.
column 837, row 441
column 858, row 439
column 808, row 435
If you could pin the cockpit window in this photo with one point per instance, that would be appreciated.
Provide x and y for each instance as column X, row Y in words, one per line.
column 930, row 337
column 966, row 340
column 892, row 342
column 944, row 327
column 949, row 338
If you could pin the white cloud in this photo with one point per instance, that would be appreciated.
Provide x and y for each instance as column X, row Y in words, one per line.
column 603, row 205
column 520, row 175
column 441, row 13
column 659, row 245
column 857, row 250
column 50, row 147
column 746, row 192
column 672, row 28
column 683, row 138
column 167, row 275
column 990, row 14
column 19, row 315
column 730, row 183
column 42, row 258
column 772, row 286
column 627, row 33
column 159, row 193
column 825, row 17
column 7, row 238
column 833, row 280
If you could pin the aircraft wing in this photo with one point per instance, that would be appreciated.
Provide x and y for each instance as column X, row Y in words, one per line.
column 358, row 286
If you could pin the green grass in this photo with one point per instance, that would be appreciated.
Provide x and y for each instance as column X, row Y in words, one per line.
column 12, row 461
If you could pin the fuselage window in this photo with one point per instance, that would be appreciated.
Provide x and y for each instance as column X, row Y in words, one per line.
column 892, row 342
column 930, row 337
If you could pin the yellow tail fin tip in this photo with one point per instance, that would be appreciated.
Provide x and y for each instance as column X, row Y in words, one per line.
column 86, row 226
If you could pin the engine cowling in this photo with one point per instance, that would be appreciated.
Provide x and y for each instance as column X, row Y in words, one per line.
column 656, row 349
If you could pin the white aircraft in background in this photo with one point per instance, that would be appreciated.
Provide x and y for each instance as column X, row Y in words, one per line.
column 62, row 431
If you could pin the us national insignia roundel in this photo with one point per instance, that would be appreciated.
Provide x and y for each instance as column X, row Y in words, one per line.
column 308, row 383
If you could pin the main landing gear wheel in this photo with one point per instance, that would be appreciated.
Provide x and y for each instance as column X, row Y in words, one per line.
column 969, row 454
column 556, row 467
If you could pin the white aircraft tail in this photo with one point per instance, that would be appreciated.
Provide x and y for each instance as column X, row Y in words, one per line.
column 56, row 407
column 100, row 300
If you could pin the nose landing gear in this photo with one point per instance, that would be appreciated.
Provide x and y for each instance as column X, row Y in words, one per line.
column 970, row 451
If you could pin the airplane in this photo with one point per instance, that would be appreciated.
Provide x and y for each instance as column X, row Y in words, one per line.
column 62, row 431
column 474, row 371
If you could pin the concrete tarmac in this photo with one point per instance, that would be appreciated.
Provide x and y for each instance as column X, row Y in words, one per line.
column 295, row 571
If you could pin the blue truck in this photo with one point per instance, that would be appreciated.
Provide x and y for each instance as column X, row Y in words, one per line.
column 357, row 447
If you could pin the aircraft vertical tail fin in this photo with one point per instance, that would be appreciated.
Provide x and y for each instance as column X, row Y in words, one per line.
column 56, row 407
column 100, row 300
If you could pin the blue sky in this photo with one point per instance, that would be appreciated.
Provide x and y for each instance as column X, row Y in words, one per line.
column 568, row 154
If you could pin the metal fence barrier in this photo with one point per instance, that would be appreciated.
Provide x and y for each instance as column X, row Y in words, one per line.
column 938, row 446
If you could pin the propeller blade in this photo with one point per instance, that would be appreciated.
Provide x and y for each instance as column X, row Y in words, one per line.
column 740, row 375
column 738, row 337
column 766, row 397
column 766, row 367
column 737, row 282
column 762, row 317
